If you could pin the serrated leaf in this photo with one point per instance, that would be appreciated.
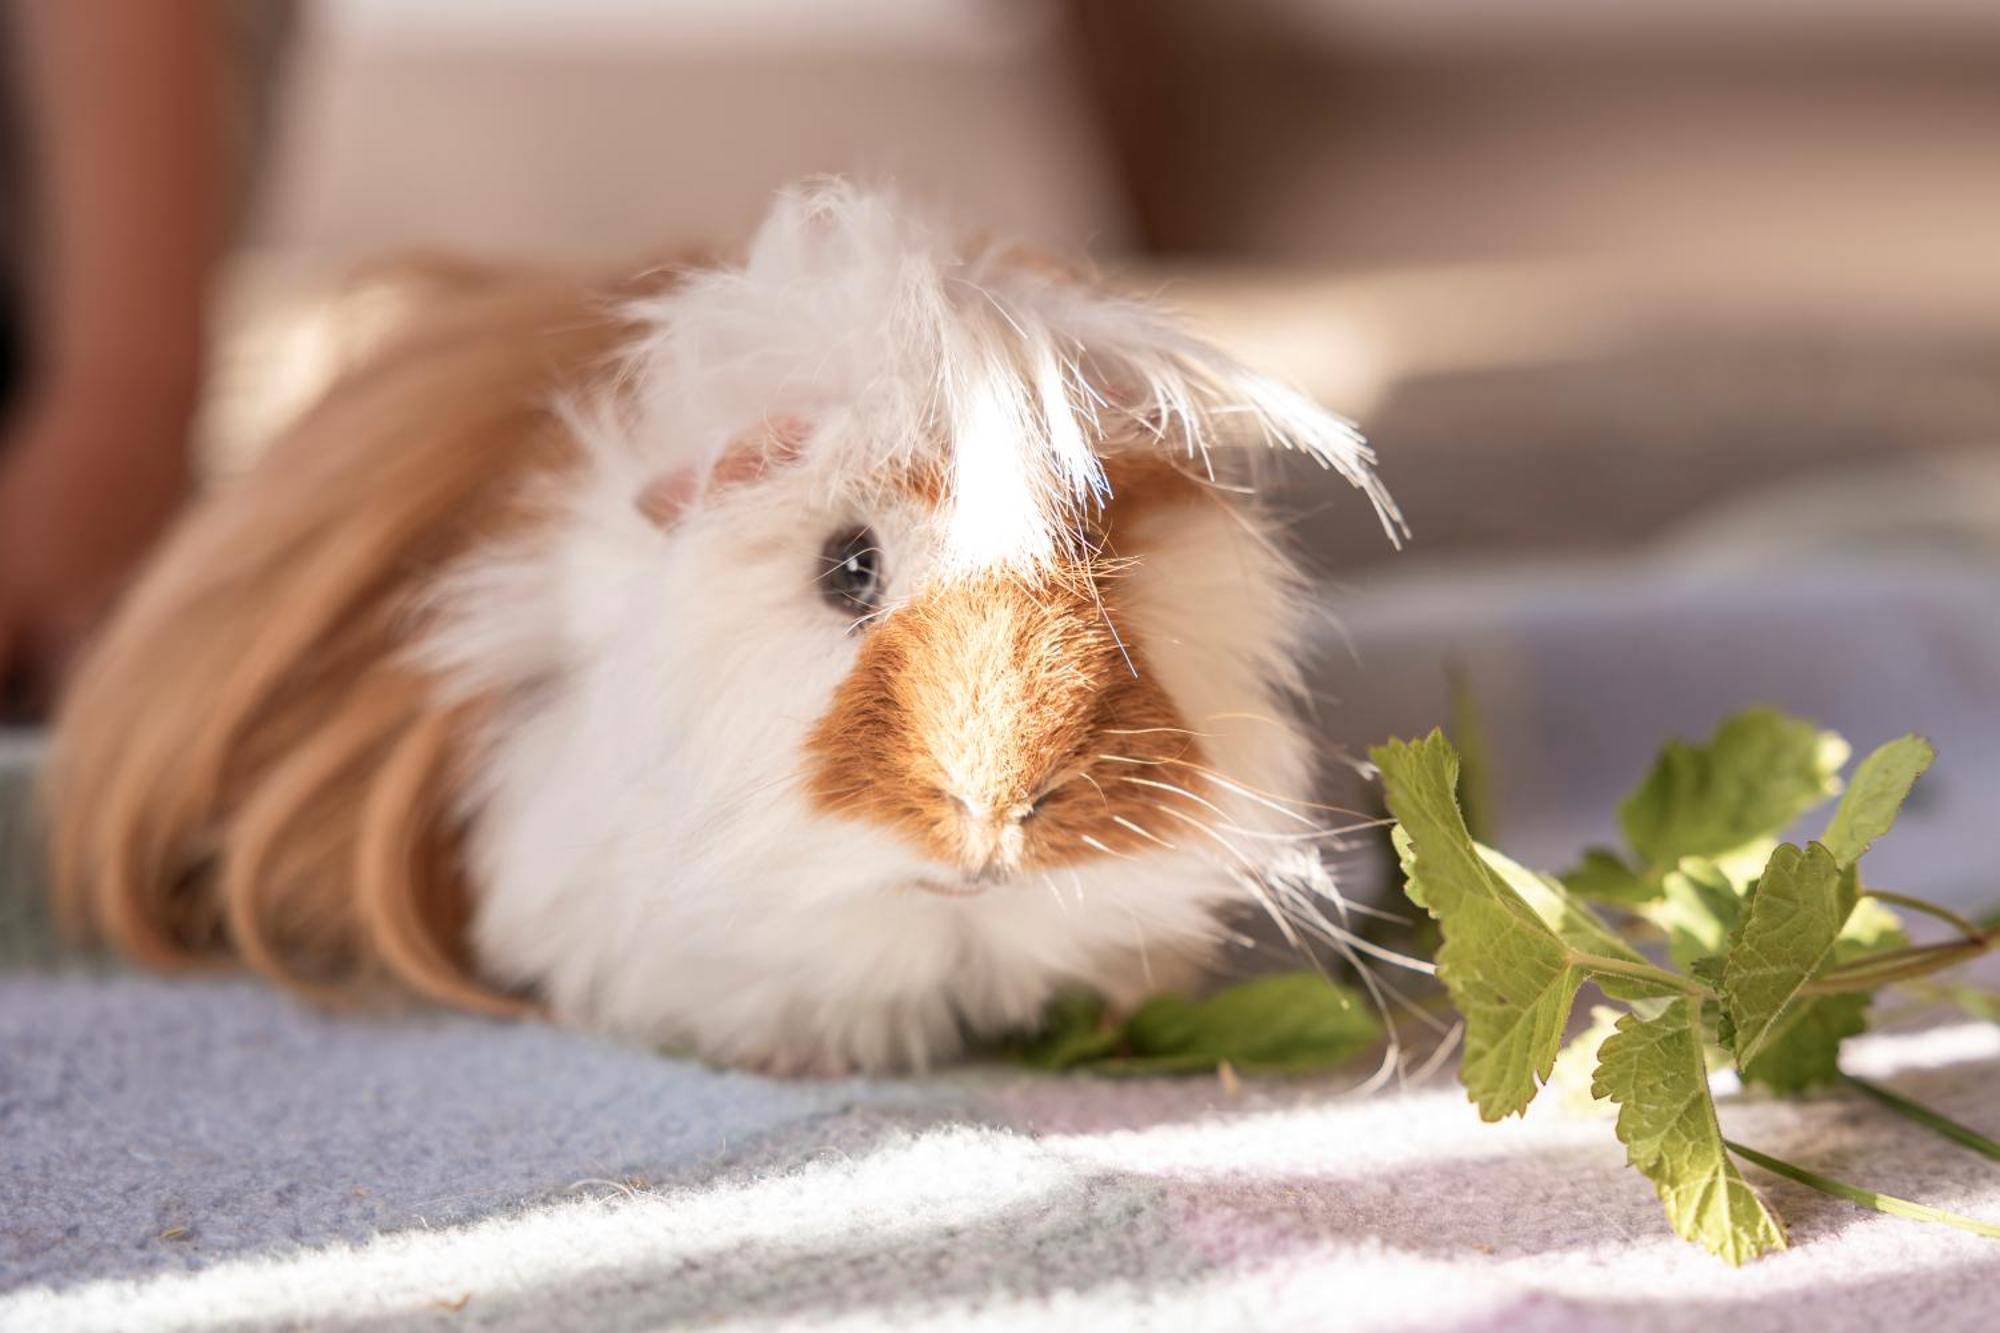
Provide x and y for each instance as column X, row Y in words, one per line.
column 1508, row 973
column 1804, row 1052
column 1874, row 796
column 1406, row 861
column 1576, row 1065
column 1574, row 923
column 1290, row 1023
column 1759, row 771
column 1786, row 936
column 1653, row 1069
column 1603, row 876
column 1872, row 927
column 1698, row 908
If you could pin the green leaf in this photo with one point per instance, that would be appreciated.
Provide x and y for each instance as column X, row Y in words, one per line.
column 1786, row 936
column 1406, row 860
column 1804, row 1052
column 1074, row 1030
column 1879, row 787
column 1508, row 973
column 1574, row 923
column 1759, row 772
column 1698, row 908
column 1872, row 927
column 1604, row 877
column 1576, row 1065
column 1653, row 1069
column 1291, row 1023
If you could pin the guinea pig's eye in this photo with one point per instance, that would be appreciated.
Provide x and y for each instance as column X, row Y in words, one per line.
column 852, row 579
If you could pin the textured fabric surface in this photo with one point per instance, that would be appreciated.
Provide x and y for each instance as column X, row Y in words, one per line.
column 208, row 1155
column 205, row 1154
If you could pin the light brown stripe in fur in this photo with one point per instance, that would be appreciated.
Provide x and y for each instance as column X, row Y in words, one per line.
column 1001, row 723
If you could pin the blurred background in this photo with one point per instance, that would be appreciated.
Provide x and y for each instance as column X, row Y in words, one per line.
column 1676, row 322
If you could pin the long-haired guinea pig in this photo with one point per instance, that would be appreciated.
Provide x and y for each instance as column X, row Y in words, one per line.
column 814, row 662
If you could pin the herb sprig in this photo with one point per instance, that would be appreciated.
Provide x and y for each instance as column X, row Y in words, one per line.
column 1775, row 951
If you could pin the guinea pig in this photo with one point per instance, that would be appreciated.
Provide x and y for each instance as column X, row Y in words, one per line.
column 814, row 661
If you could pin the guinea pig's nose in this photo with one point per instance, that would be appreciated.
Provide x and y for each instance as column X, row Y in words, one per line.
column 978, row 812
column 991, row 840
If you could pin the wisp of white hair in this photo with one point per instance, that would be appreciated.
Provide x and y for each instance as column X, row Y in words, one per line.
column 1000, row 372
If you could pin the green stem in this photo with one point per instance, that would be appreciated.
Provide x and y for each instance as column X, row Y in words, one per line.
column 1659, row 976
column 1973, row 933
column 1883, row 969
column 1881, row 1203
column 1923, row 1115
column 1974, row 1000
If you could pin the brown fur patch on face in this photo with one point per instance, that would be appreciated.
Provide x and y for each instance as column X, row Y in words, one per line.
column 998, row 723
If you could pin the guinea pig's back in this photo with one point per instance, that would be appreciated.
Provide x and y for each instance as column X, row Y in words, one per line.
column 246, row 760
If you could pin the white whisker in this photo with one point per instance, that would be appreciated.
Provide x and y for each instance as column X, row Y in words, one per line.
column 1365, row 945
column 1252, row 882
column 1350, row 947
column 1445, row 1047
column 1178, row 791
column 1231, row 783
column 1091, row 842
column 1148, row 834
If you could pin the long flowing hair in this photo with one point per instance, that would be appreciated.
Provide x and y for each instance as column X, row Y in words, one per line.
column 248, row 761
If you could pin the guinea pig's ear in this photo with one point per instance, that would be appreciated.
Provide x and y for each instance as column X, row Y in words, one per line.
column 665, row 496
column 774, row 443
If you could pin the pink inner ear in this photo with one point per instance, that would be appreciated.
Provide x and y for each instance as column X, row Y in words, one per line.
column 666, row 496
column 774, row 443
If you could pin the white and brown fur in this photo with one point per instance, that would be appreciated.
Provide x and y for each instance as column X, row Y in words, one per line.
column 505, row 675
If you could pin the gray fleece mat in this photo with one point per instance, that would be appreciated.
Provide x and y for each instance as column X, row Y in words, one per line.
column 207, row 1155
column 204, row 1154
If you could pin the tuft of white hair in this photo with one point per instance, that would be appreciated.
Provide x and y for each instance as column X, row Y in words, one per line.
column 869, row 319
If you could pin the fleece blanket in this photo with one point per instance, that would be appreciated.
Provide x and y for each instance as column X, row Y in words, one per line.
column 204, row 1154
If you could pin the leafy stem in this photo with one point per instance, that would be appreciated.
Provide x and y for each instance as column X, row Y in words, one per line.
column 1881, row 1203
column 1974, row 934
column 1964, row 1135
column 1753, row 926
column 1882, row 969
column 1659, row 976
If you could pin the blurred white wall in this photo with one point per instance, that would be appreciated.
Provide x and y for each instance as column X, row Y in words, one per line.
column 592, row 127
